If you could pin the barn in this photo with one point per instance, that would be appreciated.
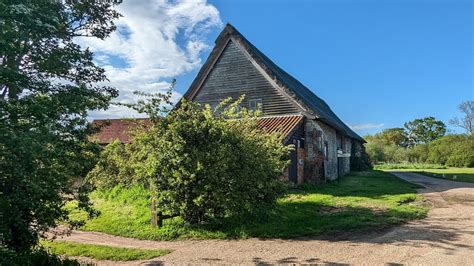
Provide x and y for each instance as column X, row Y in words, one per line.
column 324, row 144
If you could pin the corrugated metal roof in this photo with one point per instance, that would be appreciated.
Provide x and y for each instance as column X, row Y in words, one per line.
column 119, row 129
column 284, row 124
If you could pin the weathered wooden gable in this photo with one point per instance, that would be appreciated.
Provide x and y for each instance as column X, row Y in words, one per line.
column 233, row 75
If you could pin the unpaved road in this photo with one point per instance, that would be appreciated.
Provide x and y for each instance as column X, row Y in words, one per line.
column 445, row 237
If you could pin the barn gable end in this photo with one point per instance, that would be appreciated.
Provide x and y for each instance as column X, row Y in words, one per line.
column 232, row 75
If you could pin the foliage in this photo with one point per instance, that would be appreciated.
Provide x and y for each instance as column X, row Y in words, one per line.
column 422, row 141
column 102, row 252
column 360, row 160
column 203, row 164
column 466, row 122
column 47, row 85
column 113, row 167
column 424, row 130
column 390, row 136
column 37, row 256
column 452, row 150
column 362, row 201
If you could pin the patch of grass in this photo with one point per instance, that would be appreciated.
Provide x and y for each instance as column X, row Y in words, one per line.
column 389, row 166
column 452, row 173
column 361, row 201
column 101, row 252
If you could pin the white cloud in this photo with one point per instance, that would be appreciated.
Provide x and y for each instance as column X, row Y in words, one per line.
column 156, row 40
column 366, row 126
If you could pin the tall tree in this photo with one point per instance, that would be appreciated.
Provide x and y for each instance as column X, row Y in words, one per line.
column 467, row 121
column 393, row 136
column 424, row 130
column 47, row 85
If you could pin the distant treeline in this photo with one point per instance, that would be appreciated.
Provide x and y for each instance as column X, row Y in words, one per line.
column 425, row 141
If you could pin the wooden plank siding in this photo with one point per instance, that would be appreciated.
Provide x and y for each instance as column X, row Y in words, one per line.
column 234, row 75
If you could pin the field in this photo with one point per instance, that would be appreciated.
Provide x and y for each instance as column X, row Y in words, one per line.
column 363, row 201
column 101, row 252
column 408, row 166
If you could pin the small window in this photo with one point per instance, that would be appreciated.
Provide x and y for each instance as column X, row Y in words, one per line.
column 255, row 104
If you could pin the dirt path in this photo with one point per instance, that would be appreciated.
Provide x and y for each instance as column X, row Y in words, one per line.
column 446, row 236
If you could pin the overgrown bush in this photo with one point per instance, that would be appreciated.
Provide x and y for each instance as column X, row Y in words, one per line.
column 201, row 164
column 452, row 150
column 113, row 167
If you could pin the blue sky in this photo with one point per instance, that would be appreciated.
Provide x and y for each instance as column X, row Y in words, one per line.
column 376, row 63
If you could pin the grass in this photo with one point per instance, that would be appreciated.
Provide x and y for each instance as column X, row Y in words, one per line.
column 363, row 201
column 392, row 166
column 452, row 173
column 101, row 252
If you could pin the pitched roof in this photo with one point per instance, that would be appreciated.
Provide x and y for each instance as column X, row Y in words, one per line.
column 295, row 89
column 119, row 129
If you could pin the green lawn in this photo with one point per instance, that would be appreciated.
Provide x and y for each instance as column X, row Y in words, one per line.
column 101, row 252
column 363, row 201
column 410, row 166
column 452, row 173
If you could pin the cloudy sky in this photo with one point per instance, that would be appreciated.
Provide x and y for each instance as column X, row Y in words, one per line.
column 377, row 64
column 155, row 42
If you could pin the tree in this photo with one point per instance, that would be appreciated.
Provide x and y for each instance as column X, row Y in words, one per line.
column 466, row 122
column 424, row 130
column 47, row 85
column 392, row 136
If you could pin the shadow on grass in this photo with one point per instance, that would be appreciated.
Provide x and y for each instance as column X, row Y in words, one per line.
column 305, row 218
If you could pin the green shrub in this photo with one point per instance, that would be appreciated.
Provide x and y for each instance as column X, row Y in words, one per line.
column 201, row 164
column 113, row 167
column 452, row 150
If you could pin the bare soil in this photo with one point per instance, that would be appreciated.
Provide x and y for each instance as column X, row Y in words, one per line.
column 446, row 236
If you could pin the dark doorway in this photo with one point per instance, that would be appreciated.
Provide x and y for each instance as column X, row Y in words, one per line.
column 293, row 169
column 340, row 165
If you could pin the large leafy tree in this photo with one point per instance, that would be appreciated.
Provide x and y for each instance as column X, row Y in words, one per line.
column 424, row 130
column 47, row 85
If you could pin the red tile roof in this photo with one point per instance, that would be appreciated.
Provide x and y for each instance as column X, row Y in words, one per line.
column 118, row 129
